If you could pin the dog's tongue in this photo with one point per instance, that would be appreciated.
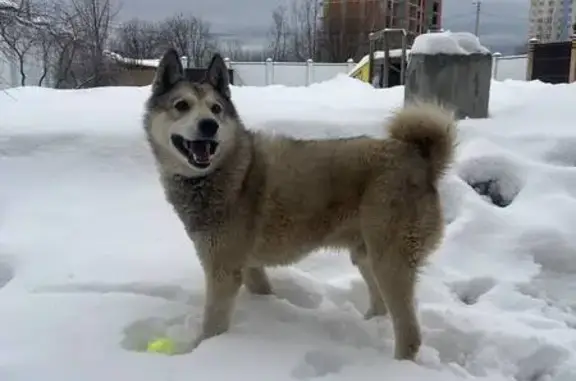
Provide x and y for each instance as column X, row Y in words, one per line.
column 201, row 151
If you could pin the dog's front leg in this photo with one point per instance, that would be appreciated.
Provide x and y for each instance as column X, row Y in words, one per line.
column 223, row 281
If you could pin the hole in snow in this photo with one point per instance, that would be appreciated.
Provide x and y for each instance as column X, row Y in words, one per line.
column 550, row 248
column 181, row 330
column 496, row 179
column 318, row 363
column 562, row 153
column 540, row 364
column 491, row 191
column 469, row 291
column 6, row 273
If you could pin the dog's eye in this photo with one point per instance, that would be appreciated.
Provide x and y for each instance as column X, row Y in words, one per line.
column 216, row 108
column 182, row 106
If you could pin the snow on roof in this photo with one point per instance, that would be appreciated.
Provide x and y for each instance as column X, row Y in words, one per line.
column 455, row 43
column 146, row 62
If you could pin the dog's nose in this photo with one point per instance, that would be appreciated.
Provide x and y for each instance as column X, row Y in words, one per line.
column 208, row 127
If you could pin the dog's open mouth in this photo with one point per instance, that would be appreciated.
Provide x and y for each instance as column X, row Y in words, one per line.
column 198, row 152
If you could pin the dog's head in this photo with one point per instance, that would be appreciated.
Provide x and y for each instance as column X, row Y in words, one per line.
column 191, row 124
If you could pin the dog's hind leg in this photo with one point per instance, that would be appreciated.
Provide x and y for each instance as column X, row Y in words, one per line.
column 377, row 306
column 394, row 253
column 256, row 281
column 396, row 280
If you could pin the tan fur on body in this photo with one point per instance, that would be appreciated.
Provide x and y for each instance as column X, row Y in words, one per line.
column 268, row 201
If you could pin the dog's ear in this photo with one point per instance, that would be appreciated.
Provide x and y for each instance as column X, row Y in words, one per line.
column 169, row 72
column 217, row 76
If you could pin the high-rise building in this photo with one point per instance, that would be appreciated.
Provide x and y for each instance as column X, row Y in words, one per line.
column 551, row 20
column 348, row 22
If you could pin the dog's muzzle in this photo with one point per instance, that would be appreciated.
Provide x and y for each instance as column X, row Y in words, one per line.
column 198, row 152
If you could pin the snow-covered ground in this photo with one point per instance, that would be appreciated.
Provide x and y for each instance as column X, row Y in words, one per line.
column 93, row 263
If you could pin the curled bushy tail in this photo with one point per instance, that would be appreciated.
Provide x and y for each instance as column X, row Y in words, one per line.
column 431, row 129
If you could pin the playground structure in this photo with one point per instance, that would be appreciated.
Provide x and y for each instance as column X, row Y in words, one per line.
column 386, row 67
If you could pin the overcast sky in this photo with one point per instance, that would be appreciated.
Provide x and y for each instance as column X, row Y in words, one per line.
column 503, row 22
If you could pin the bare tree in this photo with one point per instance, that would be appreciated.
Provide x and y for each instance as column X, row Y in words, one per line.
column 138, row 39
column 237, row 51
column 190, row 36
column 231, row 48
column 66, row 33
column 280, row 35
column 45, row 45
column 17, row 38
column 304, row 26
column 91, row 22
column 294, row 33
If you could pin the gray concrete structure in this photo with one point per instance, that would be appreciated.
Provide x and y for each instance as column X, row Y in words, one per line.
column 459, row 81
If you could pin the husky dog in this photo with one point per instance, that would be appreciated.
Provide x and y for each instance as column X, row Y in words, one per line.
column 249, row 200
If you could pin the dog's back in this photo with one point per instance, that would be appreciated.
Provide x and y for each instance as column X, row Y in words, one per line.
column 315, row 193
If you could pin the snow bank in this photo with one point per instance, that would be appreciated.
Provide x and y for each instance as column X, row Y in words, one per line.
column 93, row 262
column 455, row 43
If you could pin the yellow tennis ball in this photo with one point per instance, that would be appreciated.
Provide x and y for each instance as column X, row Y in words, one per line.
column 163, row 345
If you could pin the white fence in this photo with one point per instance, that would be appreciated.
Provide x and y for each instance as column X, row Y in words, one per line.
column 509, row 67
column 286, row 73
column 272, row 73
column 307, row 73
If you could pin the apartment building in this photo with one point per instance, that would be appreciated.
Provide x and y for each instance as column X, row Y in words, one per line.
column 551, row 20
column 353, row 20
column 417, row 16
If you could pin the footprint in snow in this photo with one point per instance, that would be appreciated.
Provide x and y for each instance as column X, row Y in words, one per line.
column 318, row 363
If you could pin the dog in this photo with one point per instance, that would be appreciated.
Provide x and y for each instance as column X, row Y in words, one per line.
column 249, row 200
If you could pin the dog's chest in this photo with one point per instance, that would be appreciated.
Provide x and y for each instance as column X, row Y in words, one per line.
column 198, row 202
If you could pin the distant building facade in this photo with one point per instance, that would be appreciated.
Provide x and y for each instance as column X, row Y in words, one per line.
column 348, row 22
column 551, row 20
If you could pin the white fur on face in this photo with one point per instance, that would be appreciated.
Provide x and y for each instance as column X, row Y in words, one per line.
column 165, row 124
